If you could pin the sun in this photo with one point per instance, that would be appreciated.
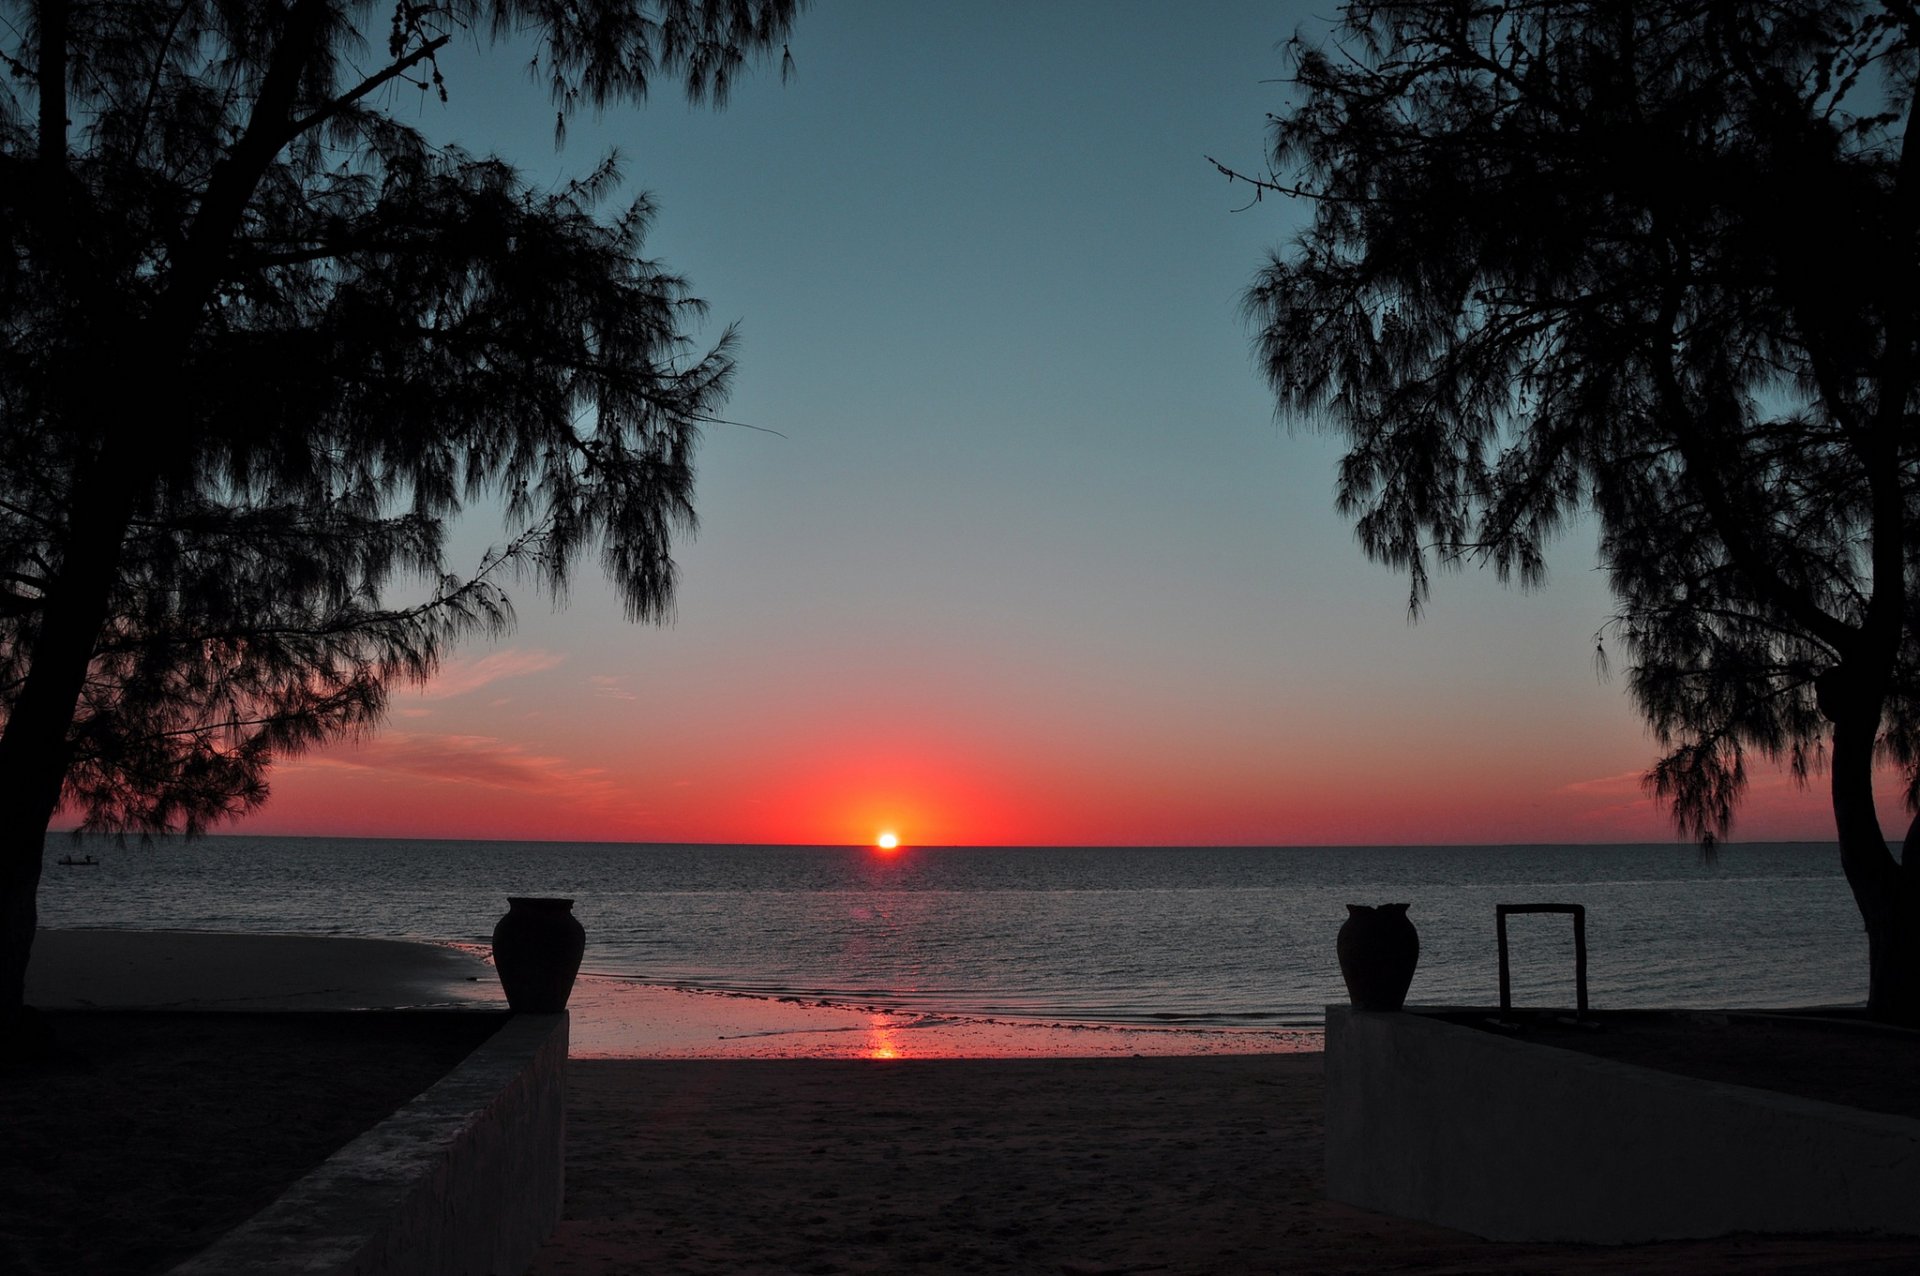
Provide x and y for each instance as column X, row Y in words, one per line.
column 887, row 841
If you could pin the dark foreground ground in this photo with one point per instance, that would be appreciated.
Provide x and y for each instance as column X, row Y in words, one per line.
column 1079, row 1166
column 1848, row 1060
column 156, row 1132
column 149, row 1134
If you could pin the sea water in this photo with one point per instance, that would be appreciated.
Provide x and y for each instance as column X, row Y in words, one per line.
column 1202, row 936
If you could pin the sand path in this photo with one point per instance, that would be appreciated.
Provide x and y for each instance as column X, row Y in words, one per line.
column 1174, row 1165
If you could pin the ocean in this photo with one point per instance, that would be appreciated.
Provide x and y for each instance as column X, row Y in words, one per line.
column 1199, row 936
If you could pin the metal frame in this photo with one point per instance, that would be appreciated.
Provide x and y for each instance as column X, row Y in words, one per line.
column 1579, row 912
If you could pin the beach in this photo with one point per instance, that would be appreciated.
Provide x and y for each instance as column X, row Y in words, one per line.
column 199, row 970
column 1093, row 1161
column 1076, row 1166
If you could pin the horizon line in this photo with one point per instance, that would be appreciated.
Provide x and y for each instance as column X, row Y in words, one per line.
column 939, row 846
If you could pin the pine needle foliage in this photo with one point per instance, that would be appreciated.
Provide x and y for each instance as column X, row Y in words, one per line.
column 1633, row 260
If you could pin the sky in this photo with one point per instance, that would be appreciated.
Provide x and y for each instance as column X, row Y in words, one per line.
column 1029, row 559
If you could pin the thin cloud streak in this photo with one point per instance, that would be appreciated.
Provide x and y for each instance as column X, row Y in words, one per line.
column 1606, row 785
column 465, row 759
column 611, row 686
column 458, row 677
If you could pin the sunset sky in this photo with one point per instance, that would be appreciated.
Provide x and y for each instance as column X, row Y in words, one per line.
column 1029, row 559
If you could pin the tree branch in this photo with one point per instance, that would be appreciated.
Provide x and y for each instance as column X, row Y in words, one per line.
column 238, row 174
column 1887, row 606
column 52, row 76
column 366, row 86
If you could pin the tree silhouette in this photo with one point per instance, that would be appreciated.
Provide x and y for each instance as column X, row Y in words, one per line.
column 263, row 340
column 1657, row 263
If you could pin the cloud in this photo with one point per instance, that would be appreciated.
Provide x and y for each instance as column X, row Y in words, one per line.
column 1615, row 807
column 465, row 759
column 458, row 677
column 612, row 686
column 1625, row 783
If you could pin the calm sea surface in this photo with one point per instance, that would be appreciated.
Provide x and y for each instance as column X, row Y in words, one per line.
column 1204, row 935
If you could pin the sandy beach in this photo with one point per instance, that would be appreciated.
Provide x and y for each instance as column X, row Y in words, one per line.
column 196, row 970
column 1076, row 1166
column 783, row 1138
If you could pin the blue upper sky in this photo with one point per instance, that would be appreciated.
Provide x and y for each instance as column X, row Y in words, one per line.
column 1029, row 559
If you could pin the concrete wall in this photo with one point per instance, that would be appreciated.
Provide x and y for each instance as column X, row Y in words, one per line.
column 1511, row 1141
column 467, row 1179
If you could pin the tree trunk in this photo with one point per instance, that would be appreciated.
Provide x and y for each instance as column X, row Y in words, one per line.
column 1881, row 885
column 1893, row 953
column 33, row 744
column 33, row 747
column 20, row 859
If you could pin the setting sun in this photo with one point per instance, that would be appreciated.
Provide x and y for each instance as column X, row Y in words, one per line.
column 887, row 841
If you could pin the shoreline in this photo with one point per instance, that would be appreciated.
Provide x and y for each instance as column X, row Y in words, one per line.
column 613, row 1017
column 907, row 1004
column 617, row 1018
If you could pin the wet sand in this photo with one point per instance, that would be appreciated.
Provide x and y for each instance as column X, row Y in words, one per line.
column 617, row 1019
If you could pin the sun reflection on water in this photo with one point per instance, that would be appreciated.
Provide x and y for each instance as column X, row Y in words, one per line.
column 881, row 1042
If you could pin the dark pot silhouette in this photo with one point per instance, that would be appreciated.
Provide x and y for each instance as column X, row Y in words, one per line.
column 537, row 947
column 1378, row 950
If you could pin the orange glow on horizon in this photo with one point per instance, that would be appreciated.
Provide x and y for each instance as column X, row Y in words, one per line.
column 418, row 783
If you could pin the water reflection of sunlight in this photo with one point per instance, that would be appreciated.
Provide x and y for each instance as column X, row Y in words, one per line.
column 881, row 1042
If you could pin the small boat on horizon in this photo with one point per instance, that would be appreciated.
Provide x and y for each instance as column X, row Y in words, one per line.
column 82, row 862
